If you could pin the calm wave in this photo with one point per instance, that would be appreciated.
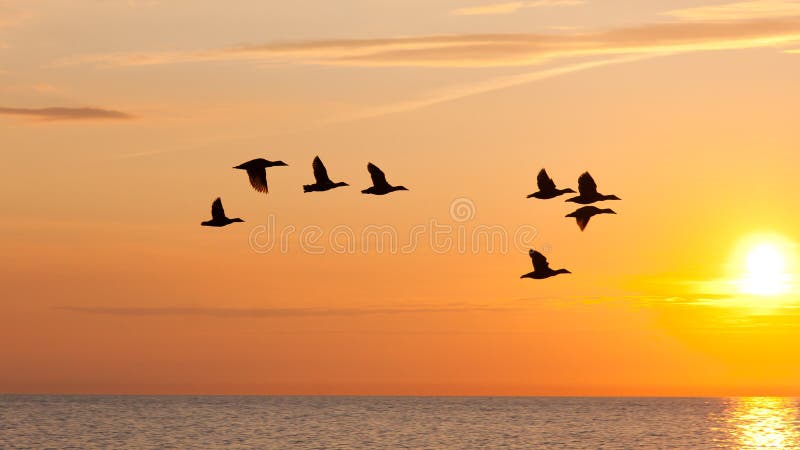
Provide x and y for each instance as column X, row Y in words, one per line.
column 396, row 422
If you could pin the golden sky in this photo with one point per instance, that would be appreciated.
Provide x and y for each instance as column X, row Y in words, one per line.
column 120, row 121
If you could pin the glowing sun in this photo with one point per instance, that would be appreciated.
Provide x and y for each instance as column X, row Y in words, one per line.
column 765, row 271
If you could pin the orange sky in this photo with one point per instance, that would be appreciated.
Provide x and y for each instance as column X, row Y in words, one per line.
column 109, row 284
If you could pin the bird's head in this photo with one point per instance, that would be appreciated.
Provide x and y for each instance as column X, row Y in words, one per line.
column 342, row 183
column 237, row 220
column 400, row 188
column 612, row 197
column 240, row 166
column 563, row 271
column 569, row 191
column 608, row 211
column 278, row 163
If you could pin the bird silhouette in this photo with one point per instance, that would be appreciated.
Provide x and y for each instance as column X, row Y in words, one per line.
column 322, row 181
column 547, row 187
column 218, row 218
column 583, row 214
column 587, row 191
column 541, row 269
column 379, row 184
column 257, row 172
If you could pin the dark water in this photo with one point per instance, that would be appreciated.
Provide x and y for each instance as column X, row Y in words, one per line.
column 396, row 422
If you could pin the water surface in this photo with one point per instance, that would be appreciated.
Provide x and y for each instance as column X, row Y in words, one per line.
column 396, row 422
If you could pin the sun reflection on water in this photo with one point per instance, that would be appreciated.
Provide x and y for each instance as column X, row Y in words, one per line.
column 764, row 422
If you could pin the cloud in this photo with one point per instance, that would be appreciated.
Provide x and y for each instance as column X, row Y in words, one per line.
column 511, row 7
column 11, row 17
column 451, row 93
column 457, row 92
column 275, row 312
column 758, row 9
column 486, row 50
column 61, row 114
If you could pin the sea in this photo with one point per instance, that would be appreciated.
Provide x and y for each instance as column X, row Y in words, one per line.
column 278, row 422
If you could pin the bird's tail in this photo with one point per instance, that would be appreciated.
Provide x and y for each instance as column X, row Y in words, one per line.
column 307, row 188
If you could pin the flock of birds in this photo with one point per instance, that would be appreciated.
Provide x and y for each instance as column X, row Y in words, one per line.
column 587, row 194
column 257, row 173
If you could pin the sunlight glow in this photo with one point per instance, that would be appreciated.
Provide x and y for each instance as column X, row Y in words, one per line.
column 764, row 422
column 765, row 271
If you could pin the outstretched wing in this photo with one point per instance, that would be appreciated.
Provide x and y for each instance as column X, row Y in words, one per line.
column 320, row 173
column 378, row 177
column 258, row 179
column 586, row 185
column 217, row 211
column 544, row 181
column 539, row 260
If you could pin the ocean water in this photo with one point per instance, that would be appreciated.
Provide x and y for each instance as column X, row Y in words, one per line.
column 208, row 422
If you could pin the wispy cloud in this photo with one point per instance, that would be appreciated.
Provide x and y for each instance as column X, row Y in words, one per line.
column 277, row 312
column 11, row 16
column 757, row 9
column 486, row 50
column 63, row 114
column 511, row 7
column 458, row 92
column 425, row 100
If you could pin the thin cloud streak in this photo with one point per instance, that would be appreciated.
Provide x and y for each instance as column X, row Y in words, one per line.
column 486, row 50
column 758, row 9
column 446, row 95
column 511, row 7
column 275, row 312
column 467, row 90
column 63, row 114
column 10, row 17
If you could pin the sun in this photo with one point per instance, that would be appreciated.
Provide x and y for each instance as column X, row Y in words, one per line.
column 765, row 270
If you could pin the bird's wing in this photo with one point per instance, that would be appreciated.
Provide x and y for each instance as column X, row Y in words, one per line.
column 258, row 179
column 544, row 181
column 217, row 211
column 378, row 177
column 586, row 185
column 320, row 173
column 539, row 260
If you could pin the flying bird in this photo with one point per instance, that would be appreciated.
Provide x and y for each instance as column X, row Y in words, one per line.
column 583, row 214
column 547, row 187
column 587, row 191
column 379, row 184
column 541, row 269
column 218, row 218
column 257, row 171
column 322, row 181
